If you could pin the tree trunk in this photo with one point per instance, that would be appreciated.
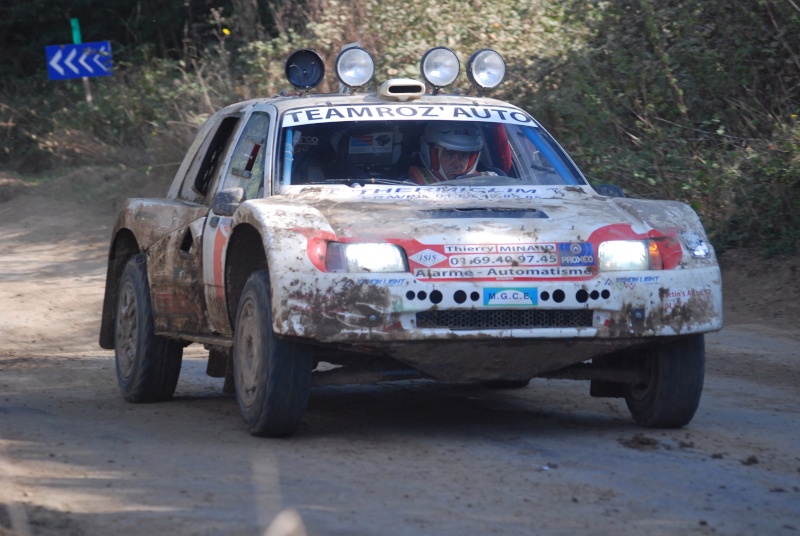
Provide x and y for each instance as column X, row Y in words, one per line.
column 247, row 23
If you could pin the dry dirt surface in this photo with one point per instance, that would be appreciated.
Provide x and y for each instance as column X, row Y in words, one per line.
column 407, row 458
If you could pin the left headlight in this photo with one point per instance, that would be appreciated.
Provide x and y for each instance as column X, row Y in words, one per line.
column 624, row 255
column 361, row 258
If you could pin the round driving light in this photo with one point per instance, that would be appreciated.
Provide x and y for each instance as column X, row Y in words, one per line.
column 439, row 67
column 304, row 69
column 486, row 69
column 355, row 67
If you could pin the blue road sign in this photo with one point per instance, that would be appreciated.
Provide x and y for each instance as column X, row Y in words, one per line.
column 78, row 61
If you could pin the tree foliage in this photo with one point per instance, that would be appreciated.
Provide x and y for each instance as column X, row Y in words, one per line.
column 690, row 99
column 693, row 100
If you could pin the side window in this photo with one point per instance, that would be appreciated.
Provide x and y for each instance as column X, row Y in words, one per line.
column 213, row 155
column 246, row 169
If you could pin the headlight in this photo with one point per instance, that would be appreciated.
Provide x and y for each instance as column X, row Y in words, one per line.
column 486, row 69
column 359, row 258
column 624, row 255
column 355, row 67
column 439, row 67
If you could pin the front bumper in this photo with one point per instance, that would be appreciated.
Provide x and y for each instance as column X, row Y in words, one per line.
column 394, row 308
column 466, row 331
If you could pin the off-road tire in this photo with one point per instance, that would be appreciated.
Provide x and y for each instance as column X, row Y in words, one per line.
column 147, row 365
column 674, row 372
column 272, row 375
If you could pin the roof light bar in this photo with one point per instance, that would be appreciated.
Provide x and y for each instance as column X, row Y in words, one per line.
column 439, row 67
column 355, row 67
column 486, row 69
column 305, row 69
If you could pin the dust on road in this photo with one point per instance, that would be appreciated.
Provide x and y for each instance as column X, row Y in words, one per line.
column 406, row 458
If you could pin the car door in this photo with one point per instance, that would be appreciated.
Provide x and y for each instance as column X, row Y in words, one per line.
column 175, row 261
column 244, row 178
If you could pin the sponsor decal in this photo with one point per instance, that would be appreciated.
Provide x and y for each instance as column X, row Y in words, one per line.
column 371, row 148
column 382, row 282
column 504, row 273
column 445, row 274
column 519, row 259
column 469, row 249
column 505, row 261
column 404, row 112
column 510, row 297
column 676, row 297
column 427, row 257
column 576, row 254
column 449, row 192
column 372, row 193
column 631, row 282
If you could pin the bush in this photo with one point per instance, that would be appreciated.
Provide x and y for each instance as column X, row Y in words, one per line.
column 667, row 99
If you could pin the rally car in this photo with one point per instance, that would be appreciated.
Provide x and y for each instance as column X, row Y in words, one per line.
column 403, row 232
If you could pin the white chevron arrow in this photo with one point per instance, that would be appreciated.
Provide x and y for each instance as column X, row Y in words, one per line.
column 68, row 61
column 82, row 61
column 54, row 62
column 97, row 59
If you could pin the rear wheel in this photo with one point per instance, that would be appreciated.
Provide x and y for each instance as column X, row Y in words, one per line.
column 670, row 393
column 272, row 376
column 147, row 365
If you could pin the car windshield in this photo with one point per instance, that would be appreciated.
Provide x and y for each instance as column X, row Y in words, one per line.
column 315, row 150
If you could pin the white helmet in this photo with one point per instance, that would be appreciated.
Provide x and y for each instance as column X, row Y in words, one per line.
column 453, row 135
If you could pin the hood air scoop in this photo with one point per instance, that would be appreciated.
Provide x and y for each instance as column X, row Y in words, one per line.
column 482, row 212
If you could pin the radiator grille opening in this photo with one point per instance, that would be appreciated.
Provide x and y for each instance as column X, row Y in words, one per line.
column 506, row 319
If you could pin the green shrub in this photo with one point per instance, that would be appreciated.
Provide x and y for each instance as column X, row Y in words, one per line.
column 685, row 99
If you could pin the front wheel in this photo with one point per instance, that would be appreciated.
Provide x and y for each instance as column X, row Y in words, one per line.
column 670, row 393
column 147, row 365
column 272, row 376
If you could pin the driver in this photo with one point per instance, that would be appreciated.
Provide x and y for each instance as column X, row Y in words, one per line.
column 448, row 150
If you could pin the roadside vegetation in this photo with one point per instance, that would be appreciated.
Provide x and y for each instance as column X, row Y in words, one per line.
column 696, row 100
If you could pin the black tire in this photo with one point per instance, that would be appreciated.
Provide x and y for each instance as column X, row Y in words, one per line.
column 272, row 376
column 147, row 365
column 675, row 372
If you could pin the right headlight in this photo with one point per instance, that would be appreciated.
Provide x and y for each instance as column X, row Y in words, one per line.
column 628, row 255
column 363, row 258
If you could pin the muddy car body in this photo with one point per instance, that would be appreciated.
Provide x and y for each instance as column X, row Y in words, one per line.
column 294, row 239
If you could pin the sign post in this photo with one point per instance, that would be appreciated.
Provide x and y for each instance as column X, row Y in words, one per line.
column 79, row 60
column 77, row 39
column 76, row 31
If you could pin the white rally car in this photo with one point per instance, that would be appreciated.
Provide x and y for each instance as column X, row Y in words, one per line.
column 363, row 236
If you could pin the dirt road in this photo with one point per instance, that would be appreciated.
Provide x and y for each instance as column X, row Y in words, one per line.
column 406, row 458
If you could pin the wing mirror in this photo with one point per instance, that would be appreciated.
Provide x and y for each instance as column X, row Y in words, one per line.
column 227, row 201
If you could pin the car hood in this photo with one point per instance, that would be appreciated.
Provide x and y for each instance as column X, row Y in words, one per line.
column 475, row 232
column 474, row 214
